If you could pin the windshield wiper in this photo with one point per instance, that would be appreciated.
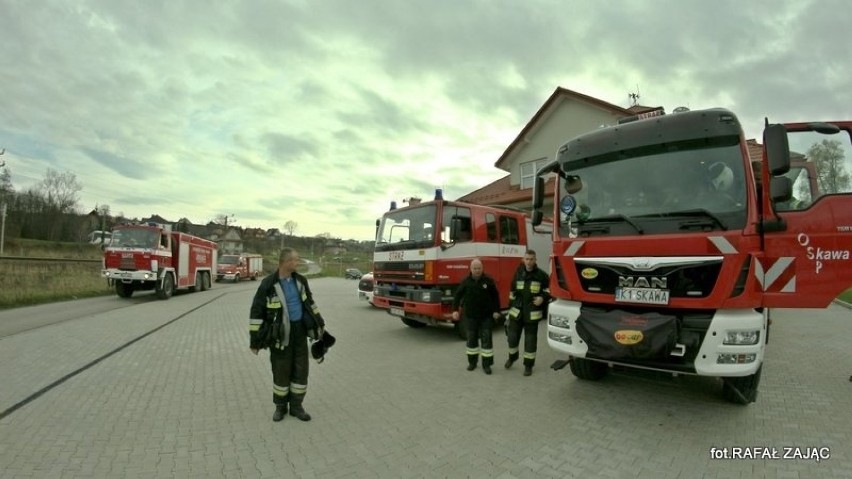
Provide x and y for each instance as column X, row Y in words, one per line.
column 697, row 212
column 612, row 218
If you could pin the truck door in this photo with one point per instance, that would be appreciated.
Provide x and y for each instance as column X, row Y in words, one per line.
column 808, row 237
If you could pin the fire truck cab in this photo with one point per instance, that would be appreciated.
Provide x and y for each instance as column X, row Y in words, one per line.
column 670, row 248
column 423, row 251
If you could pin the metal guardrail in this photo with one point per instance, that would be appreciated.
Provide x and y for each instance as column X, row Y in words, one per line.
column 44, row 260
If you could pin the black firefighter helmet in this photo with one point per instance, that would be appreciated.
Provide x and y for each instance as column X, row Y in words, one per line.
column 321, row 346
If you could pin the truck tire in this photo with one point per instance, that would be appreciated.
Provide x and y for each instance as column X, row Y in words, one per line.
column 205, row 281
column 123, row 290
column 199, row 280
column 413, row 323
column 167, row 288
column 742, row 390
column 237, row 278
column 587, row 369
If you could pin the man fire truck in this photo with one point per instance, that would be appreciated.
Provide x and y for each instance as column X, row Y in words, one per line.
column 423, row 251
column 670, row 250
column 149, row 256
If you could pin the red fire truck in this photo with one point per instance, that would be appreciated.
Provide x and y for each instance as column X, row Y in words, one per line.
column 669, row 249
column 236, row 267
column 424, row 250
column 149, row 256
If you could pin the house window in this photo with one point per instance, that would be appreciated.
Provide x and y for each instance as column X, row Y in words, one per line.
column 528, row 170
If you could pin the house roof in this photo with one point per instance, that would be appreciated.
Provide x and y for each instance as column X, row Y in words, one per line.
column 554, row 99
column 502, row 192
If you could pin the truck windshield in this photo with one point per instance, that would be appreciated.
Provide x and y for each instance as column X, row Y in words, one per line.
column 660, row 189
column 407, row 228
column 135, row 238
column 227, row 259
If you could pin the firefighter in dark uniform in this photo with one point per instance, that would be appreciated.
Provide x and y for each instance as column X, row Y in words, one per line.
column 283, row 316
column 529, row 295
column 478, row 294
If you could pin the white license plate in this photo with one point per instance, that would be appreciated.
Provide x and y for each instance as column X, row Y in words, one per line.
column 642, row 295
column 126, row 275
column 397, row 312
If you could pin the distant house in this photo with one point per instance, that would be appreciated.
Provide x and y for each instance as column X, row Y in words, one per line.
column 231, row 242
column 564, row 115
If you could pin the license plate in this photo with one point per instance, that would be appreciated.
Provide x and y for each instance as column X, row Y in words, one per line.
column 126, row 275
column 397, row 312
column 642, row 295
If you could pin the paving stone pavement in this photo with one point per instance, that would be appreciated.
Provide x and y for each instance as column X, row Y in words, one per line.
column 190, row 400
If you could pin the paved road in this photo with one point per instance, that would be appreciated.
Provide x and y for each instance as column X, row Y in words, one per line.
column 169, row 389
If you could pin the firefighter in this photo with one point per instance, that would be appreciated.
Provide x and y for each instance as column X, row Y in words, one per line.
column 283, row 316
column 529, row 294
column 481, row 301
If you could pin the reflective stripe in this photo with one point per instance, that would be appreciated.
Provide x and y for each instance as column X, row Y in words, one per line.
column 487, row 353
column 472, row 351
column 298, row 388
column 280, row 391
column 513, row 350
column 535, row 315
column 273, row 303
column 514, row 312
column 535, row 286
column 529, row 355
column 519, row 285
column 254, row 324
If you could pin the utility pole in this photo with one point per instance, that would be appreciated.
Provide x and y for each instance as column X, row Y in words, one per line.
column 2, row 213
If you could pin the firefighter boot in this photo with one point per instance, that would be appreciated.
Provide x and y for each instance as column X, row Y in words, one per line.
column 512, row 358
column 280, row 412
column 471, row 362
column 296, row 409
column 527, row 370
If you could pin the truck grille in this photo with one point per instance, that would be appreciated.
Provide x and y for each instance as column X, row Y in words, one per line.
column 683, row 280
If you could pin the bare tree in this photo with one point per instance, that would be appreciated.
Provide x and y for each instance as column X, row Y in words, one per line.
column 61, row 190
column 828, row 158
column 290, row 227
column 224, row 220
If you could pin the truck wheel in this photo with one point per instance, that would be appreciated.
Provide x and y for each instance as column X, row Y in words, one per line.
column 205, row 281
column 587, row 369
column 124, row 290
column 168, row 287
column 199, row 280
column 236, row 278
column 413, row 323
column 742, row 390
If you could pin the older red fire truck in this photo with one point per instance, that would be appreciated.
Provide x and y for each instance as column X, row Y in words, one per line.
column 670, row 249
column 424, row 250
column 150, row 256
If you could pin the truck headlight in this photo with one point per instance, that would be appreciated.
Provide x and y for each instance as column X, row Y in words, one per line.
column 741, row 338
column 562, row 338
column 560, row 321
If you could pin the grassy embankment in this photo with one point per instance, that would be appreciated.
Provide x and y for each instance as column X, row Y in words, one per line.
column 25, row 283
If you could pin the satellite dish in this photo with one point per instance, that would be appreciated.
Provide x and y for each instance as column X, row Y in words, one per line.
column 680, row 109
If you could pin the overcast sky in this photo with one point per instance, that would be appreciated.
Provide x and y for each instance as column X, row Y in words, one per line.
column 322, row 112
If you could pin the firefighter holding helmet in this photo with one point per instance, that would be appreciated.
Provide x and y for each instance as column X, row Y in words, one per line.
column 529, row 295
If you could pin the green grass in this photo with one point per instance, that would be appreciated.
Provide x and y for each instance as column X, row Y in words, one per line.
column 846, row 296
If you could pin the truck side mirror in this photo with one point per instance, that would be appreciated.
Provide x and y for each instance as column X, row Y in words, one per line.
column 537, row 217
column 781, row 188
column 777, row 149
column 538, row 192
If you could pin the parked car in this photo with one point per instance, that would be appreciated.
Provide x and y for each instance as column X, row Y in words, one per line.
column 365, row 288
column 353, row 273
